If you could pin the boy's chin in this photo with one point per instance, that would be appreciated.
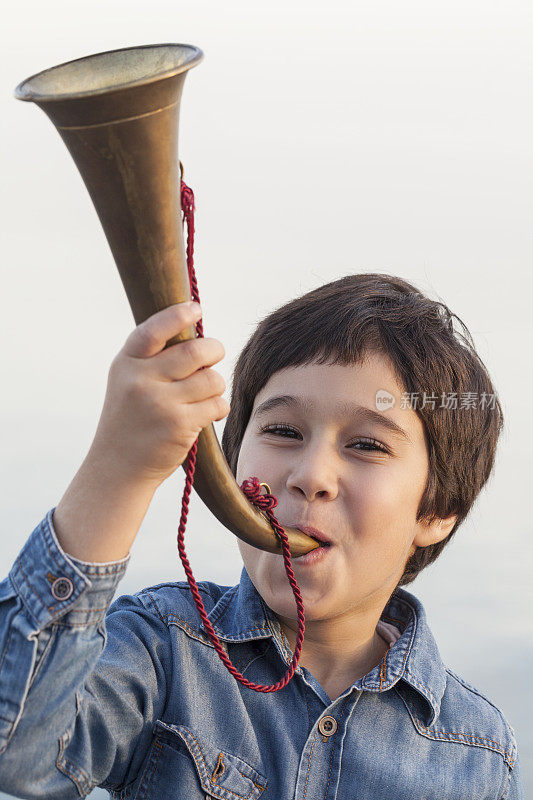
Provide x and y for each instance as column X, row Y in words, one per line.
column 318, row 605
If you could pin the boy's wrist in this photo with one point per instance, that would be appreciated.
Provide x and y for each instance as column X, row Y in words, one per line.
column 100, row 514
column 104, row 464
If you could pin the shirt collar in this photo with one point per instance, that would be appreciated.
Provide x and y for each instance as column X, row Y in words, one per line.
column 242, row 615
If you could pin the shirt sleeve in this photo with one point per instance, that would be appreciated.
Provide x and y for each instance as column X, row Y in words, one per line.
column 81, row 681
column 515, row 788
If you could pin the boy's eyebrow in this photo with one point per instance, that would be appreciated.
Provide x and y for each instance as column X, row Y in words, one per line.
column 362, row 412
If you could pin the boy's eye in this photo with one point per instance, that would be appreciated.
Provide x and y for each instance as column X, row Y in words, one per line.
column 286, row 431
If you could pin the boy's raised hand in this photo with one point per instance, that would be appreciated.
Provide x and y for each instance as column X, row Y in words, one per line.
column 157, row 401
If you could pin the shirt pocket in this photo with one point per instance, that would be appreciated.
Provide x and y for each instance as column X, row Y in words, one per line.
column 186, row 762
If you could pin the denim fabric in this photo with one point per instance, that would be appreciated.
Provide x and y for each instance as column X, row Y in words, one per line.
column 136, row 700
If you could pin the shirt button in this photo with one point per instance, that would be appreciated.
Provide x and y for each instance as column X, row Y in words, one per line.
column 327, row 726
column 62, row 588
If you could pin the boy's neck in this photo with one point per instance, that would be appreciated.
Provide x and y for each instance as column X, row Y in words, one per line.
column 338, row 652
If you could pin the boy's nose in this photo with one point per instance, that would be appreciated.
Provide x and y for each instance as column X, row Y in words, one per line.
column 314, row 474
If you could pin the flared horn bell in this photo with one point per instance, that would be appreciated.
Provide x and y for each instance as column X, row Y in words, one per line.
column 118, row 114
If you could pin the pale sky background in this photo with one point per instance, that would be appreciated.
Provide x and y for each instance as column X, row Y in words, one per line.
column 320, row 139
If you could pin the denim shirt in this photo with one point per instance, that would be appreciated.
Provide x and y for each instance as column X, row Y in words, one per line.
column 131, row 696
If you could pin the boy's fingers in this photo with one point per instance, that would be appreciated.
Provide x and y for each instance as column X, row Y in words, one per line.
column 202, row 385
column 181, row 360
column 211, row 410
column 151, row 336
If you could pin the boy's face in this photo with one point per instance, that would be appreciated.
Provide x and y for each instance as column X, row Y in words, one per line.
column 352, row 478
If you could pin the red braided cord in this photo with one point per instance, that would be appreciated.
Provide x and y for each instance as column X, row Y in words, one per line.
column 252, row 490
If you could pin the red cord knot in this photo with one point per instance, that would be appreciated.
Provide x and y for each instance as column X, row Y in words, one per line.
column 252, row 489
column 187, row 199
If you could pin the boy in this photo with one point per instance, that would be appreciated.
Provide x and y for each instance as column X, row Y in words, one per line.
column 137, row 700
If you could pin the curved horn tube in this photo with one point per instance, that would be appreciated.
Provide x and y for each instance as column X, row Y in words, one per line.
column 118, row 114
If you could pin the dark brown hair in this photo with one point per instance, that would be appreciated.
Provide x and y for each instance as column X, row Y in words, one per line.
column 344, row 320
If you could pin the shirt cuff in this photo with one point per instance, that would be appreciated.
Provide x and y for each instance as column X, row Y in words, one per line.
column 53, row 585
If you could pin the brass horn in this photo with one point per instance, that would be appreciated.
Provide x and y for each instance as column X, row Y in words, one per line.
column 118, row 113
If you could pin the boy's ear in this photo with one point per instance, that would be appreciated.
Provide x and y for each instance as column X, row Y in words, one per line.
column 435, row 531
